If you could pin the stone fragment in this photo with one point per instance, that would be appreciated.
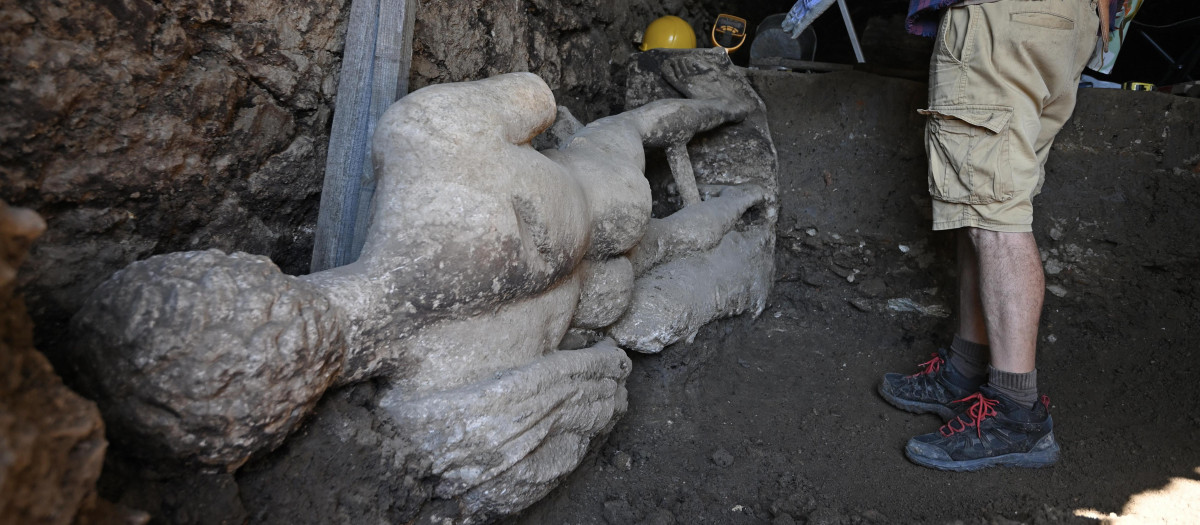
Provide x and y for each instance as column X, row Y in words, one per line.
column 862, row 305
column 873, row 287
column 722, row 458
column 622, row 460
column 904, row 304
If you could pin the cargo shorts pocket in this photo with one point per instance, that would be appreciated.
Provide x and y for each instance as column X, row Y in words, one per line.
column 969, row 159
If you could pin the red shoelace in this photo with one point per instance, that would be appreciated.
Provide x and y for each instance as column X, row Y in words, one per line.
column 931, row 366
column 981, row 408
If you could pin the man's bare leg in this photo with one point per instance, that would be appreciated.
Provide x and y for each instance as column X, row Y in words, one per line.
column 971, row 325
column 1011, row 289
column 969, row 354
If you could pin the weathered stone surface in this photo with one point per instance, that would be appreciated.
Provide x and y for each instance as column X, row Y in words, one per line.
column 51, row 439
column 469, row 279
column 606, row 291
column 419, row 453
column 673, row 301
column 716, row 257
column 220, row 357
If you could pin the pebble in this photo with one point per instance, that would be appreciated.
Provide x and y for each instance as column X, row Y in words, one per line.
column 622, row 460
column 722, row 458
column 873, row 287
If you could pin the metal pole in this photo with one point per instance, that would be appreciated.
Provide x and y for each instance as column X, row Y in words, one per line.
column 850, row 29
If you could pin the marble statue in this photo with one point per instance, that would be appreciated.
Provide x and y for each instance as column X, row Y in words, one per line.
column 482, row 255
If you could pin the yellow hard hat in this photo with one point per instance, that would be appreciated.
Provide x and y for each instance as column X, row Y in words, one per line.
column 670, row 32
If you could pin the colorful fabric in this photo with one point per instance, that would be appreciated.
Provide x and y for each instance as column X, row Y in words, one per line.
column 923, row 15
column 1104, row 60
column 802, row 14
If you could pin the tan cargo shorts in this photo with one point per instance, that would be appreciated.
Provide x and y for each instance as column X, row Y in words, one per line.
column 1002, row 81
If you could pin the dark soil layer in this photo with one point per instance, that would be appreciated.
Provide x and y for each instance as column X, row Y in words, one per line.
column 776, row 419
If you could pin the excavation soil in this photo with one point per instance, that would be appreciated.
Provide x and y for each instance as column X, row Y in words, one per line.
column 776, row 419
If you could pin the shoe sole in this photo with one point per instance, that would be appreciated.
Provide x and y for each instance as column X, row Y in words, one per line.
column 1034, row 459
column 916, row 407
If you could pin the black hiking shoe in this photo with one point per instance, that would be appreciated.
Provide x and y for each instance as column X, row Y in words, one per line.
column 992, row 431
column 931, row 390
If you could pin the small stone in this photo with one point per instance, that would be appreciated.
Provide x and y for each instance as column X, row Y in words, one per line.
column 861, row 304
column 622, row 460
column 812, row 232
column 873, row 287
column 1057, row 290
column 1056, row 233
column 1051, row 339
column 841, row 271
column 904, row 248
column 722, row 458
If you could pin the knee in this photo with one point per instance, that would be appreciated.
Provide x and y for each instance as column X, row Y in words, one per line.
column 982, row 239
column 988, row 242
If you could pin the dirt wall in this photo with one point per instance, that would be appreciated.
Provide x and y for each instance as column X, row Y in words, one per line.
column 138, row 128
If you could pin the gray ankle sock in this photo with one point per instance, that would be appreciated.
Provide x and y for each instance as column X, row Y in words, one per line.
column 969, row 359
column 1021, row 388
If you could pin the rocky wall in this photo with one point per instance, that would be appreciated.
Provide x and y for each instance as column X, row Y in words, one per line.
column 51, row 439
column 580, row 48
column 140, row 127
